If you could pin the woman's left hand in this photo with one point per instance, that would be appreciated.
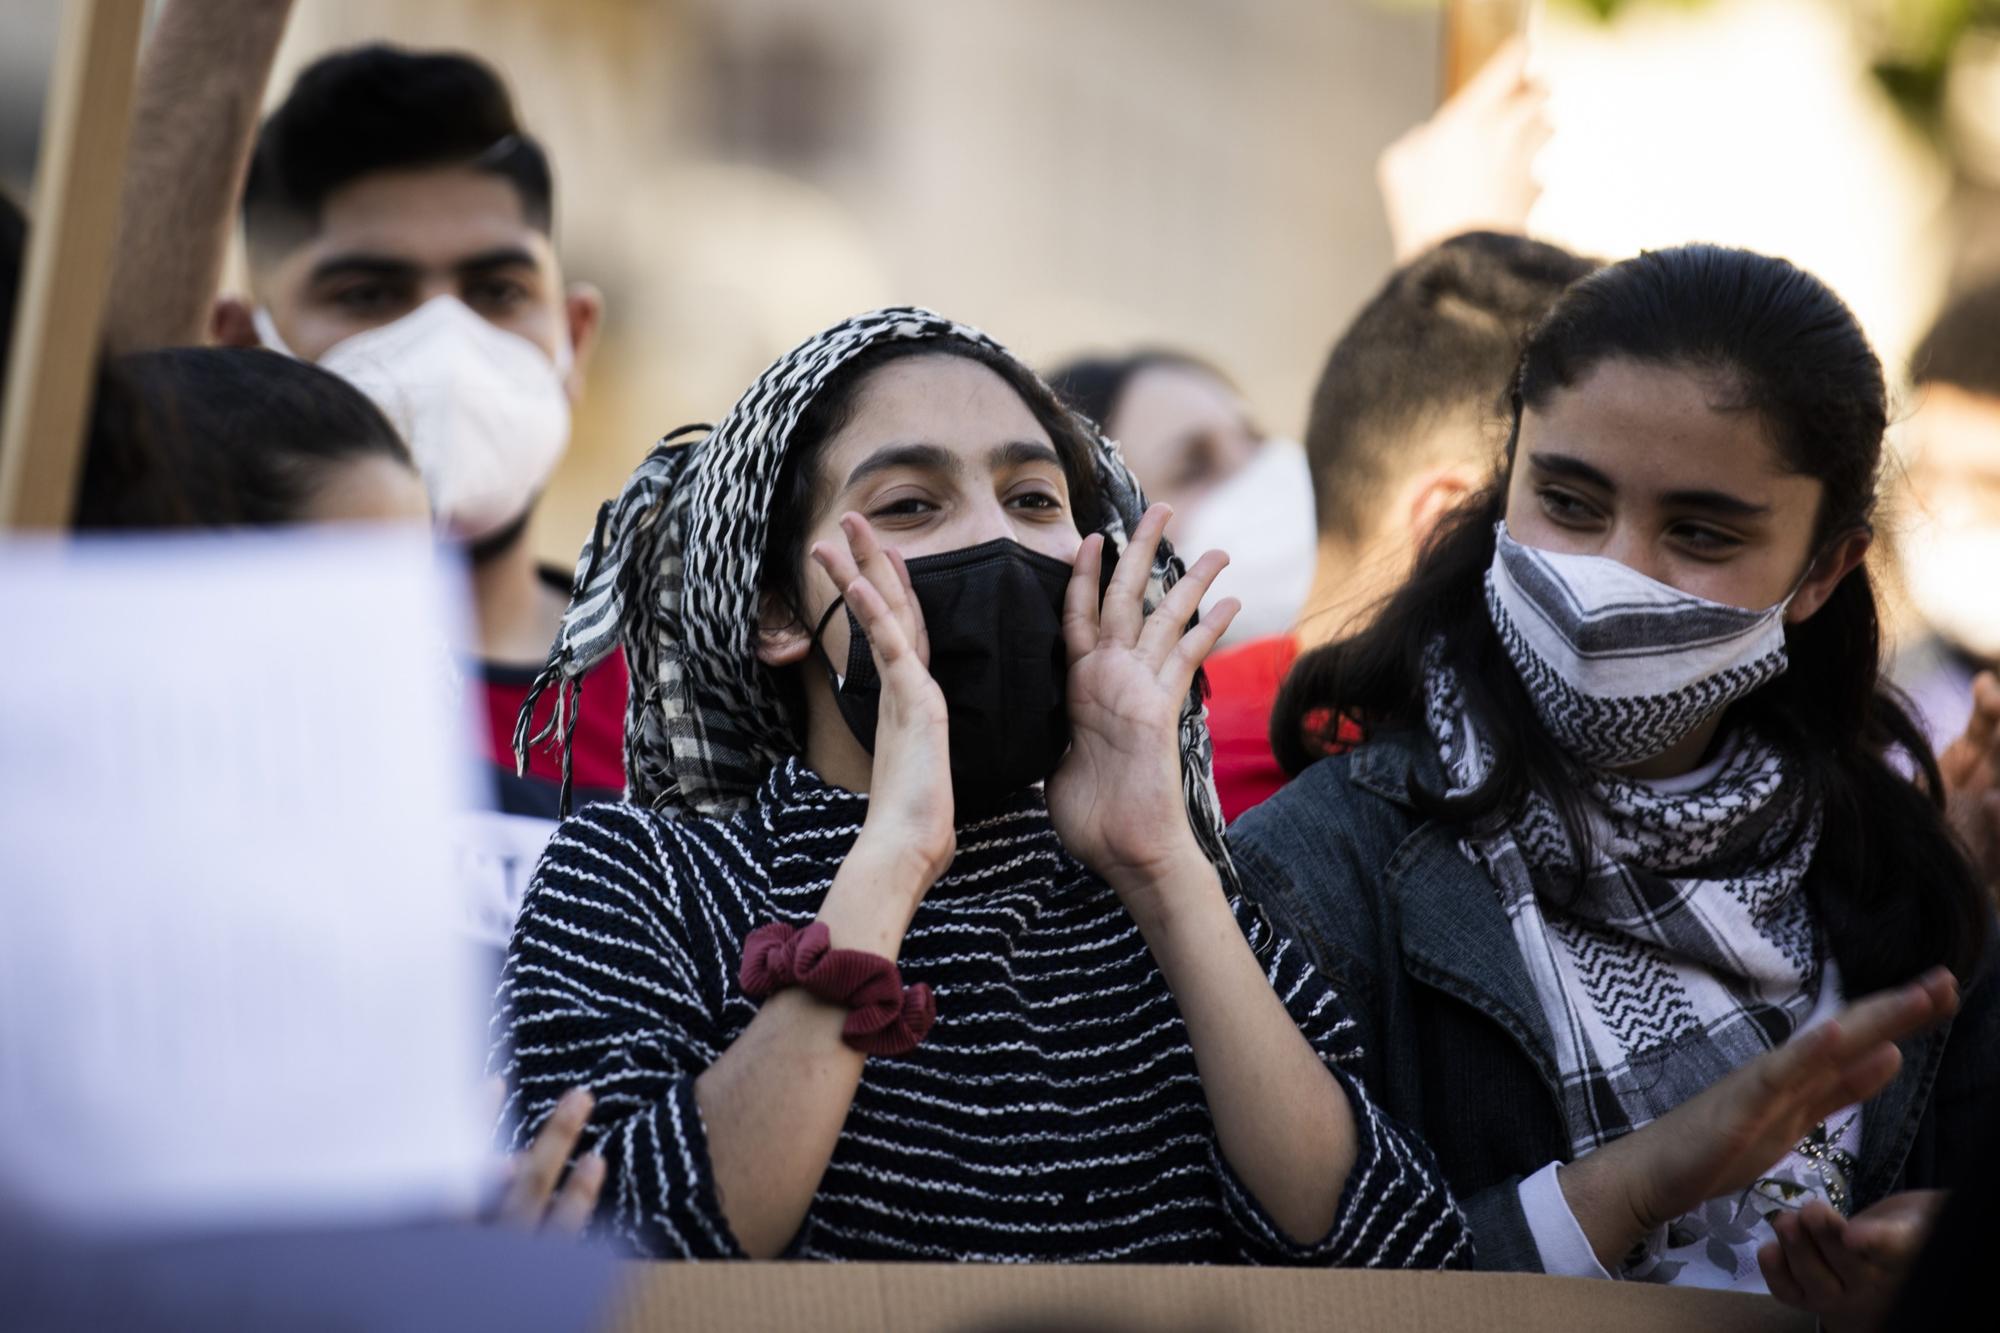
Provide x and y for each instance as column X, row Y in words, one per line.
column 1116, row 800
column 1847, row 1270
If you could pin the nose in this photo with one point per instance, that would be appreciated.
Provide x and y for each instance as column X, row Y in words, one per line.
column 986, row 521
column 1632, row 549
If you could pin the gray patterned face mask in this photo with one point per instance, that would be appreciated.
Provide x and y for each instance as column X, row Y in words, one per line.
column 1620, row 667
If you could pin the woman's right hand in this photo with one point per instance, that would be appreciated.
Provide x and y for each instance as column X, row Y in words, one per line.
column 1721, row 1141
column 910, row 809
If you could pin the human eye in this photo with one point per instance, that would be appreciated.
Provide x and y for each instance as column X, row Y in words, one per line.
column 367, row 299
column 496, row 296
column 901, row 509
column 1706, row 542
column 1036, row 501
column 1567, row 508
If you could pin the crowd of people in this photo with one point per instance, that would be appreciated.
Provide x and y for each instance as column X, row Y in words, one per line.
column 1572, row 867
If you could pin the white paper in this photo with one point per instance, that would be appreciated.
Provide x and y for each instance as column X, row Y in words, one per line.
column 496, row 854
column 234, row 979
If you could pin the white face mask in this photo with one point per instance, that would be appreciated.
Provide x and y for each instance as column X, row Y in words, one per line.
column 484, row 411
column 1953, row 570
column 1621, row 667
column 1263, row 516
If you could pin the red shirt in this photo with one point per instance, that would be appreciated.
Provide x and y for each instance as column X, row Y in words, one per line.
column 598, row 760
column 1243, row 685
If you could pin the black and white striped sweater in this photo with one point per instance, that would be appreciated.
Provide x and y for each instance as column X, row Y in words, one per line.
column 1053, row 1114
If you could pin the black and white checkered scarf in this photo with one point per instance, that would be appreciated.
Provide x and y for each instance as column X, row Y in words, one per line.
column 673, row 572
column 1673, row 948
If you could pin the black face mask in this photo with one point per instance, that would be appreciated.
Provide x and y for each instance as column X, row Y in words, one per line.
column 993, row 613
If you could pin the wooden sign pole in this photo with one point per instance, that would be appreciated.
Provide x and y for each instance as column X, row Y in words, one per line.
column 1471, row 32
column 52, row 368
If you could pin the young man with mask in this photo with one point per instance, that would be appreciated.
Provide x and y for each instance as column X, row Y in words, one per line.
column 399, row 227
column 1408, row 415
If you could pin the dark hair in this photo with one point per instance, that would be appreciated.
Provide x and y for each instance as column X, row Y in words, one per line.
column 1892, row 888
column 380, row 108
column 1439, row 340
column 221, row 437
column 1963, row 346
column 801, row 489
column 13, row 259
column 1092, row 385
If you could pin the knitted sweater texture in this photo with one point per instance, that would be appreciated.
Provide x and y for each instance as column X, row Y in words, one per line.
column 1054, row 1113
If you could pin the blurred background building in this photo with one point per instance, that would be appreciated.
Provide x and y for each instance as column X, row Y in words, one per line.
column 1079, row 174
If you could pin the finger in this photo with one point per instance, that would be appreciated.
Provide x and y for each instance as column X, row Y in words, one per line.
column 1828, row 1231
column 914, row 610
column 1169, row 620
column 1197, row 644
column 1960, row 760
column 577, row 1203
column 1892, row 1015
column 886, row 639
column 1080, row 598
column 874, row 562
column 1124, row 608
column 1502, row 72
column 1890, row 1239
column 1859, row 1080
column 1778, row 1274
column 1817, row 1282
column 838, row 562
column 1815, row 1074
column 1986, row 704
column 541, row 1165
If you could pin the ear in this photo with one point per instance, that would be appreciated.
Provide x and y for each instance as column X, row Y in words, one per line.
column 1433, row 493
column 229, row 322
column 583, row 311
column 1837, row 563
column 781, row 640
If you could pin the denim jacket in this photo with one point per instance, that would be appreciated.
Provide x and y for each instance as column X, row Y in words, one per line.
column 1457, row 1047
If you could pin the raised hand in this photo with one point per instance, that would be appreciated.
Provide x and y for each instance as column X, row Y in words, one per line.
column 1116, row 800
column 1971, row 769
column 1848, row 1270
column 1721, row 1141
column 1470, row 167
column 909, row 791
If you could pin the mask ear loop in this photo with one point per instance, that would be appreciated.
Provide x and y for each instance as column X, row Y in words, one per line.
column 825, row 619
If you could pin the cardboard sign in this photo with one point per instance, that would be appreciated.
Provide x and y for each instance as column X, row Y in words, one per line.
column 1137, row 1298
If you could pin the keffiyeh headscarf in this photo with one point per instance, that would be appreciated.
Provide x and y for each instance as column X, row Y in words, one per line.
column 1673, row 947
column 674, row 569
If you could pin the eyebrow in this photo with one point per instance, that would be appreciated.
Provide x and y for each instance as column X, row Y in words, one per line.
column 921, row 457
column 363, row 264
column 505, row 256
column 1020, row 453
column 1715, row 502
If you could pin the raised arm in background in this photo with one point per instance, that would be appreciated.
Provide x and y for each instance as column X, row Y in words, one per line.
column 194, row 120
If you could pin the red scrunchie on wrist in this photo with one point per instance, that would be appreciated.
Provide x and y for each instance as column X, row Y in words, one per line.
column 885, row 1017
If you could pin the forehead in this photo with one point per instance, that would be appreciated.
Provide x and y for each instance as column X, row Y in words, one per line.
column 1953, row 428
column 1169, row 395
column 933, row 398
column 432, row 217
column 1658, row 427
